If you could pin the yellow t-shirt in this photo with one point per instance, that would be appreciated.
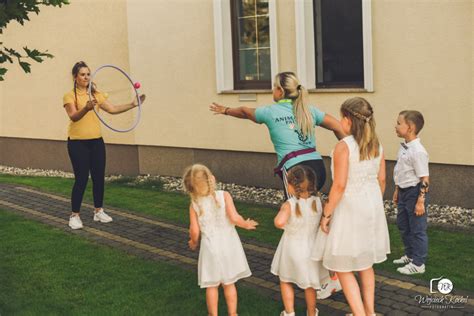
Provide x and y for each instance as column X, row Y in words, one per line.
column 88, row 127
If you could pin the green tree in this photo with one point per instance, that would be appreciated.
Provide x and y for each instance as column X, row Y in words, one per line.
column 18, row 10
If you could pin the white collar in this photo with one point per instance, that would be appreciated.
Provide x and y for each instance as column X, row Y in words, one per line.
column 411, row 143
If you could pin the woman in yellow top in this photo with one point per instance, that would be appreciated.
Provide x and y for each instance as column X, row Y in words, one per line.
column 85, row 145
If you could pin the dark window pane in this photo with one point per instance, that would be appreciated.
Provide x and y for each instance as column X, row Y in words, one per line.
column 262, row 7
column 248, row 65
column 264, row 64
column 247, row 32
column 246, row 8
column 339, row 44
column 263, row 32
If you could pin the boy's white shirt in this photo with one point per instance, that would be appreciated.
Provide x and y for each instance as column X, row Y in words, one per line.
column 412, row 164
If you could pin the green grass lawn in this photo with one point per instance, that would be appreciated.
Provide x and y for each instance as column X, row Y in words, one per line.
column 445, row 247
column 46, row 271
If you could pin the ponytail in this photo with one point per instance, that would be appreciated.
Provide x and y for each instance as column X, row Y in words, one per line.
column 302, row 113
column 288, row 82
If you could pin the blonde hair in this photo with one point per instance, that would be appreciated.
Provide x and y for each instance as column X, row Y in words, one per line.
column 361, row 114
column 195, row 175
column 296, row 176
column 289, row 83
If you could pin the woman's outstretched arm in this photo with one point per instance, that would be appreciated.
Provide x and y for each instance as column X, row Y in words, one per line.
column 330, row 123
column 117, row 109
column 241, row 112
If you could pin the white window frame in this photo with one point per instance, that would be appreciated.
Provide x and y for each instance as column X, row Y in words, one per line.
column 223, row 44
column 305, row 45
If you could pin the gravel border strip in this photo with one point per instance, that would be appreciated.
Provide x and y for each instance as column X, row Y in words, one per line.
column 449, row 217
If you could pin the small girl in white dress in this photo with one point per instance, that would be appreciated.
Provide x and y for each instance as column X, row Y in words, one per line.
column 354, row 224
column 222, row 259
column 299, row 217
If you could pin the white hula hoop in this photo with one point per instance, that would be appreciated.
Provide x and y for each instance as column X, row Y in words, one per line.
column 137, row 119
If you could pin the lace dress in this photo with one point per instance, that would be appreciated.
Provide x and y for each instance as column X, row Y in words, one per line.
column 221, row 255
column 358, row 234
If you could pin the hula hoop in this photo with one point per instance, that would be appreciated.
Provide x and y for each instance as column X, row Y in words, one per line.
column 137, row 119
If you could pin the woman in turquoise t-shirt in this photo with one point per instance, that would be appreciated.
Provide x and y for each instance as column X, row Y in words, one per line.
column 291, row 124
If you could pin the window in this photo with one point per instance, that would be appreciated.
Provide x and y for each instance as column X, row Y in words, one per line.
column 339, row 48
column 334, row 44
column 251, row 44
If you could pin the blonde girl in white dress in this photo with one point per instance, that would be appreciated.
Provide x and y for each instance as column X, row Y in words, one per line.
column 354, row 218
column 299, row 216
column 213, row 217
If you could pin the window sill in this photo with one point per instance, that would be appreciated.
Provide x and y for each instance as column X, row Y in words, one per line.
column 256, row 91
column 321, row 90
column 339, row 90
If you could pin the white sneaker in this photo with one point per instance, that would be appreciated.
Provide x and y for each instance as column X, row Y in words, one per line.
column 283, row 313
column 411, row 268
column 100, row 216
column 403, row 260
column 328, row 287
column 75, row 222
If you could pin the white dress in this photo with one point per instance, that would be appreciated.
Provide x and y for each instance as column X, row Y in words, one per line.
column 358, row 234
column 292, row 261
column 221, row 255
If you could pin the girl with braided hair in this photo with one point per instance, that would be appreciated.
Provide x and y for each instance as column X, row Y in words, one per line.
column 213, row 217
column 354, row 228
column 299, row 218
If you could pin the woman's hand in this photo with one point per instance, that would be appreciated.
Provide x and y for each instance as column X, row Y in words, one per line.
column 142, row 99
column 91, row 104
column 217, row 108
column 325, row 224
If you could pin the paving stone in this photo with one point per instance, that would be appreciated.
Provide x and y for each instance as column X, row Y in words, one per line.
column 400, row 306
column 384, row 293
column 382, row 309
column 386, row 302
column 395, row 312
column 413, row 309
column 430, row 313
column 399, row 298
column 405, row 292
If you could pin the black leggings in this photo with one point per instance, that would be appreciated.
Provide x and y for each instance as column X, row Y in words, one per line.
column 87, row 156
column 317, row 165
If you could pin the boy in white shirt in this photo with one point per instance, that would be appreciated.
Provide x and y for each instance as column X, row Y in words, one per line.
column 411, row 177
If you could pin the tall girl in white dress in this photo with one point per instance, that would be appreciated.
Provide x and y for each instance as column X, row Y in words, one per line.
column 299, row 216
column 213, row 216
column 354, row 218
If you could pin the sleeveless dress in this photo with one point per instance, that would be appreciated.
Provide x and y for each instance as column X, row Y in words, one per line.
column 292, row 261
column 221, row 255
column 358, row 234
